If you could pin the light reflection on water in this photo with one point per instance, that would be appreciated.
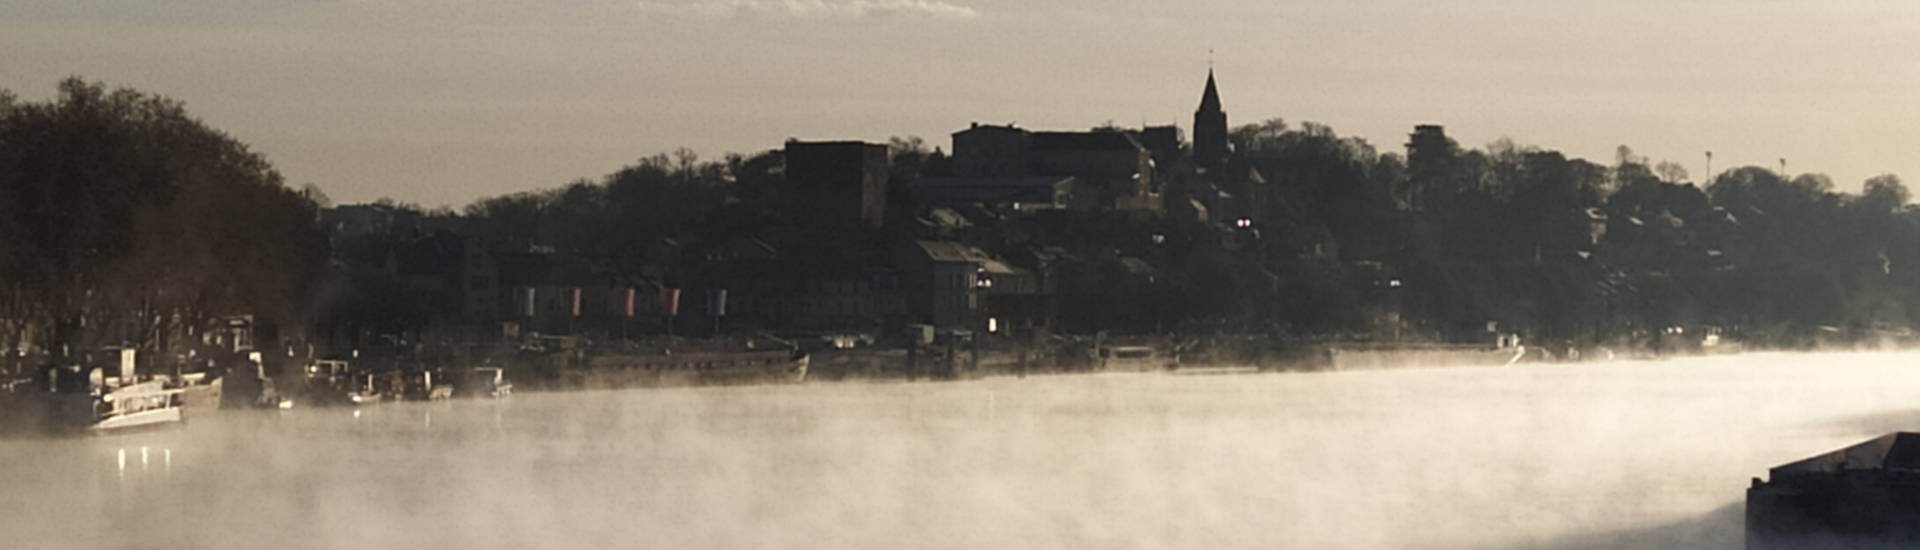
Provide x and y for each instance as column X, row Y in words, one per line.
column 1631, row 455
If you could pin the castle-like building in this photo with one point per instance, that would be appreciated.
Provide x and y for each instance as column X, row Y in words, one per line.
column 1146, row 170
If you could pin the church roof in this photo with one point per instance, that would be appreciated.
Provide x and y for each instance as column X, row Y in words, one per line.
column 1210, row 101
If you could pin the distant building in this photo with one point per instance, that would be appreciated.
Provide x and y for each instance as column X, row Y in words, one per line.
column 1210, row 128
column 954, row 286
column 844, row 181
column 865, row 299
column 1214, row 183
column 988, row 150
column 769, row 288
column 1111, row 170
column 1162, row 143
column 1111, row 167
column 452, row 266
column 942, row 291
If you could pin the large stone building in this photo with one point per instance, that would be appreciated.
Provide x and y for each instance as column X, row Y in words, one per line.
column 989, row 150
column 844, row 181
column 953, row 286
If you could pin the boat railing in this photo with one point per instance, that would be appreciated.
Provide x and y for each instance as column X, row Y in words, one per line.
column 140, row 397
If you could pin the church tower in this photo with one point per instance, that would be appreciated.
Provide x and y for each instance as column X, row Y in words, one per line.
column 1210, row 129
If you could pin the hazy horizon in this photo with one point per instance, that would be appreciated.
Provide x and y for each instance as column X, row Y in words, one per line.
column 442, row 102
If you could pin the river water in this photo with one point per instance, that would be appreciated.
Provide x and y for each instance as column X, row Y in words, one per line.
column 1616, row 455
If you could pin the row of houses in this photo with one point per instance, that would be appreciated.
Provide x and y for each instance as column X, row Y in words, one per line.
column 942, row 283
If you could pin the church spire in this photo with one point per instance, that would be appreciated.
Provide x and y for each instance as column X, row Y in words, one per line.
column 1210, row 128
column 1210, row 100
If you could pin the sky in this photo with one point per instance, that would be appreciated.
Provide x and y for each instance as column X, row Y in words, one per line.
column 441, row 102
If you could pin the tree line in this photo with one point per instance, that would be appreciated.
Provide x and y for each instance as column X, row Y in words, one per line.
column 1577, row 252
column 127, row 221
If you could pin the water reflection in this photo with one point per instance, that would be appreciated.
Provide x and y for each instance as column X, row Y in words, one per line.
column 145, row 461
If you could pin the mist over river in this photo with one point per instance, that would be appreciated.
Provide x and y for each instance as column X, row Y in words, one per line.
column 1614, row 455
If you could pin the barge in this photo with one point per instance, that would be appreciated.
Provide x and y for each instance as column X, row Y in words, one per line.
column 1866, row 495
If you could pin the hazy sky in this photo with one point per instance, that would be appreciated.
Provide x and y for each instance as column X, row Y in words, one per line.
column 445, row 101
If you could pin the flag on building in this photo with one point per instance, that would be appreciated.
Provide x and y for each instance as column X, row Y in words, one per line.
column 576, row 302
column 629, row 302
column 670, row 301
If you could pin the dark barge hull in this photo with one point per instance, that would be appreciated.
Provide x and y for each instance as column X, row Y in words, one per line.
column 1863, row 496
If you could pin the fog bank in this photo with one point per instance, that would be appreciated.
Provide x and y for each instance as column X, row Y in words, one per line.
column 1620, row 455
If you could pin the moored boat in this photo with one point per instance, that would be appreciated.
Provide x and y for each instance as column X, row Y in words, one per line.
column 70, row 398
column 426, row 385
column 147, row 404
column 1863, row 496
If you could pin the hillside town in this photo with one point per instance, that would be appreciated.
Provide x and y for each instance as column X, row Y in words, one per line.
column 1007, row 250
column 1041, row 249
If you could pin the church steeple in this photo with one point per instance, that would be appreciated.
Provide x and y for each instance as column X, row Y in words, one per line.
column 1210, row 128
column 1210, row 100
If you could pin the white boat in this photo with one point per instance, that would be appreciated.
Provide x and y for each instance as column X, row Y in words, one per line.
column 139, row 405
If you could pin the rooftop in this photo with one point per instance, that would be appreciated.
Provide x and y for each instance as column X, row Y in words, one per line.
column 947, row 251
column 1085, row 141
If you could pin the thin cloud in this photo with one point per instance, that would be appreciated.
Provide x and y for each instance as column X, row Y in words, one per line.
column 808, row 9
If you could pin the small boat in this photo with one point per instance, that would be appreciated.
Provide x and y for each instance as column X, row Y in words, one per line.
column 330, row 382
column 373, row 387
column 425, row 385
column 146, row 404
column 71, row 398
